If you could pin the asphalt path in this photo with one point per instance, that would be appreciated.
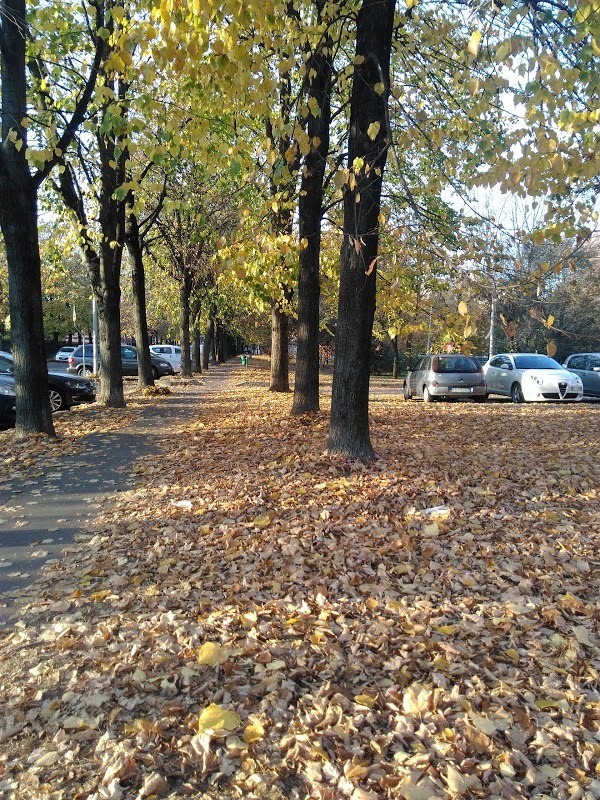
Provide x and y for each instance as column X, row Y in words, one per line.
column 58, row 507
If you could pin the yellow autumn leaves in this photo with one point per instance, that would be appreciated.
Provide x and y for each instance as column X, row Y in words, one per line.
column 221, row 721
column 214, row 718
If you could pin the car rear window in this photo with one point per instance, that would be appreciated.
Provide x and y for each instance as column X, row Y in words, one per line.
column 455, row 364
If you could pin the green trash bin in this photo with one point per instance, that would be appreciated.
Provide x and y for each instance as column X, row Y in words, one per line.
column 244, row 361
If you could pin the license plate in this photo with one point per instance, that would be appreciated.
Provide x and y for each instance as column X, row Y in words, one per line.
column 464, row 389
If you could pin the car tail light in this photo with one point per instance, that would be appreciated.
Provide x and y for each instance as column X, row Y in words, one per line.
column 70, row 360
column 434, row 383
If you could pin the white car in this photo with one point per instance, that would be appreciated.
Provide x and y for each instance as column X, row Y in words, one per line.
column 170, row 353
column 531, row 377
column 64, row 353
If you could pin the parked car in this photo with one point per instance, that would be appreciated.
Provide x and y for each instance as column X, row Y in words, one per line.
column 76, row 365
column 64, row 353
column 587, row 366
column 8, row 401
column 531, row 377
column 444, row 376
column 65, row 390
column 168, row 352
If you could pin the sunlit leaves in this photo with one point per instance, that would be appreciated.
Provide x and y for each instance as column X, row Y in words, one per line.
column 373, row 130
column 473, row 45
column 263, row 651
column 214, row 717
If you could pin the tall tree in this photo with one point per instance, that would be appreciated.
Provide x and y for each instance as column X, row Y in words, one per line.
column 199, row 217
column 19, row 185
column 367, row 153
column 319, row 71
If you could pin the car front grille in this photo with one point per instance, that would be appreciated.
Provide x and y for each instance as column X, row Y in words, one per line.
column 557, row 396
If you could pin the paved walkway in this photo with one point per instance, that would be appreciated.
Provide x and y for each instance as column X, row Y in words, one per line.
column 40, row 516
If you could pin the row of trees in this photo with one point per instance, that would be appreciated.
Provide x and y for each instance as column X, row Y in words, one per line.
column 224, row 142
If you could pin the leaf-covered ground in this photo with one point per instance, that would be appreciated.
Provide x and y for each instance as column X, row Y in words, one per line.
column 261, row 619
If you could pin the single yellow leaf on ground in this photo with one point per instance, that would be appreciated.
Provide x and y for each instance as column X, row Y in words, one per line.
column 253, row 732
column 214, row 717
column 446, row 629
column 211, row 654
column 365, row 700
column 262, row 522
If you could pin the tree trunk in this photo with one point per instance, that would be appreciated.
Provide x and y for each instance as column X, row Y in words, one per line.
column 349, row 427
column 395, row 356
column 279, row 351
column 310, row 213
column 196, row 352
column 18, row 222
column 409, row 350
column 208, row 342
column 220, row 343
column 104, row 267
column 138, row 291
column 185, row 289
column 18, row 217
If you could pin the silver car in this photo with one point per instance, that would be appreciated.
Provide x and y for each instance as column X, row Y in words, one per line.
column 587, row 366
column 447, row 375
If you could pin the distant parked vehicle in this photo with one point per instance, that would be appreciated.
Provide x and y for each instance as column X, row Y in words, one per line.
column 64, row 353
column 8, row 400
column 446, row 376
column 531, row 377
column 77, row 365
column 168, row 352
column 587, row 366
column 65, row 390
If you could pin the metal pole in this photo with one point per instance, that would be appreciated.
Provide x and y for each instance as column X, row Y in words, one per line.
column 94, row 335
column 428, row 332
column 492, row 325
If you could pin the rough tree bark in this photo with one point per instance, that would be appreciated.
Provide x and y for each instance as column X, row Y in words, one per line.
column 280, row 381
column 395, row 356
column 138, row 287
column 19, row 225
column 209, row 337
column 310, row 213
column 185, row 290
column 195, row 321
column 349, row 426
column 18, row 210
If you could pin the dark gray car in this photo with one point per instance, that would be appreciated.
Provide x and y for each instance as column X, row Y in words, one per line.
column 587, row 366
column 79, row 366
column 447, row 375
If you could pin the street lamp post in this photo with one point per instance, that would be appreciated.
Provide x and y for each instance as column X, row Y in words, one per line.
column 492, row 324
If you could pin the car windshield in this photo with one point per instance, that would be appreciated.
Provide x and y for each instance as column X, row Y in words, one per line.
column 455, row 364
column 536, row 362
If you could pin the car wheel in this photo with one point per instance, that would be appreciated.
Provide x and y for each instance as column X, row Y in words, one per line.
column 516, row 394
column 481, row 398
column 406, row 392
column 427, row 398
column 85, row 372
column 58, row 401
column 155, row 373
